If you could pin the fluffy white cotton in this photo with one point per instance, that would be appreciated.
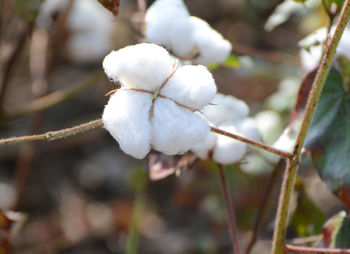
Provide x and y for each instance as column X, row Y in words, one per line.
column 203, row 148
column 91, row 25
column 145, row 66
column 168, row 126
column 213, row 48
column 167, row 24
column 126, row 118
column 176, row 129
column 270, row 125
column 228, row 150
column 230, row 114
column 310, row 59
column 225, row 108
column 192, row 86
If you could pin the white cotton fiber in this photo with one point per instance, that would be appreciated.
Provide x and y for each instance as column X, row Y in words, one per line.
column 225, row 108
column 228, row 150
column 145, row 66
column 126, row 118
column 192, row 86
column 310, row 59
column 248, row 127
column 175, row 129
column 203, row 148
column 91, row 26
column 213, row 48
column 168, row 24
column 270, row 125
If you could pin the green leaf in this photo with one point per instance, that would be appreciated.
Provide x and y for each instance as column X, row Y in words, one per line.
column 342, row 239
column 333, row 7
column 329, row 136
column 232, row 62
column 344, row 65
column 331, row 228
column 27, row 9
column 336, row 231
column 308, row 218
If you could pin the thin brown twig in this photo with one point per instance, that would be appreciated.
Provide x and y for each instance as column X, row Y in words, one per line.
column 52, row 99
column 264, row 203
column 302, row 249
column 53, row 135
column 7, row 65
column 230, row 210
column 271, row 56
column 252, row 142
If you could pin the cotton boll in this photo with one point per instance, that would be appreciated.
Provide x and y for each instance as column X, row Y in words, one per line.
column 192, row 86
column 270, row 125
column 248, row 127
column 126, row 118
column 225, row 108
column 228, row 150
column 203, row 148
column 145, row 66
column 213, row 48
column 91, row 26
column 310, row 58
column 175, row 129
column 168, row 24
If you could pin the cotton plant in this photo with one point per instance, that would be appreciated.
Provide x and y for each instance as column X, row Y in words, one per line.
column 230, row 114
column 157, row 105
column 168, row 23
column 312, row 48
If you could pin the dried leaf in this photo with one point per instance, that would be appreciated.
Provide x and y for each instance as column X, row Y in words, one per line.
column 111, row 5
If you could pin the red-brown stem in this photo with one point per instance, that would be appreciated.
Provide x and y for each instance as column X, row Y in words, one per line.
column 230, row 211
column 264, row 203
column 252, row 142
column 302, row 249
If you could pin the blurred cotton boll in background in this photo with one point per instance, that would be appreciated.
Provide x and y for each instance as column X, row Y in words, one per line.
column 230, row 114
column 312, row 45
column 90, row 28
column 169, row 24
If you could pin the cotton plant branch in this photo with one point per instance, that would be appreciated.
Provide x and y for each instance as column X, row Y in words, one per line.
column 230, row 210
column 252, row 142
column 52, row 135
column 7, row 64
column 301, row 249
column 278, row 246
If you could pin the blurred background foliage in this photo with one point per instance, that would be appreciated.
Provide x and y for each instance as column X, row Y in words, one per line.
column 83, row 195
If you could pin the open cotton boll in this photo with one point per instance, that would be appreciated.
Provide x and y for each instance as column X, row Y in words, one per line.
column 225, row 108
column 213, row 48
column 228, row 150
column 168, row 24
column 126, row 118
column 203, row 148
column 192, row 86
column 145, row 66
column 175, row 129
